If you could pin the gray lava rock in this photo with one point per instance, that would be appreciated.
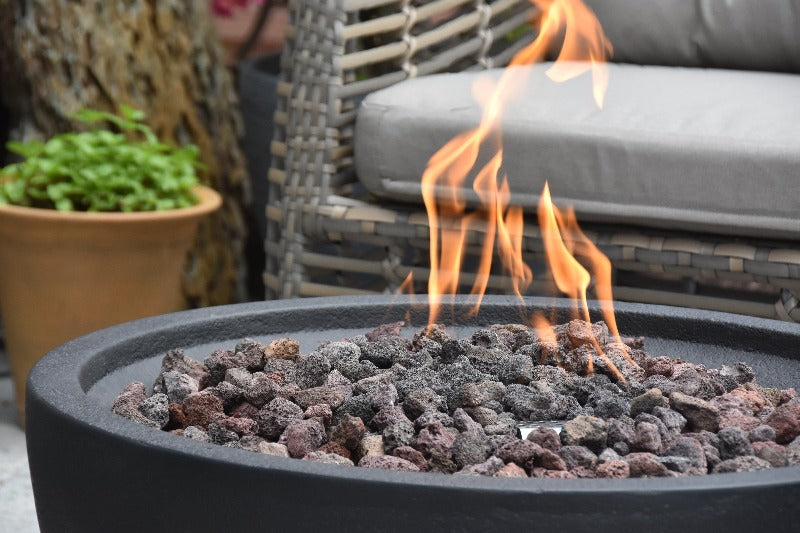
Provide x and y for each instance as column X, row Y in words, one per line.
column 260, row 389
column 645, row 403
column 221, row 435
column 128, row 401
column 676, row 463
column 387, row 462
column 383, row 394
column 733, row 443
column 421, row 400
column 607, row 405
column 490, row 467
column 276, row 416
column 775, row 454
column 388, row 416
column 744, row 463
column 620, row 436
column 239, row 377
column 178, row 386
column 383, row 351
column 586, row 431
column 470, row 449
column 334, row 396
column 428, row 417
column 195, row 433
column 465, row 424
column 762, row 433
column 689, row 448
column 575, row 456
column 700, row 414
column 312, row 370
column 176, row 360
column 673, row 420
column 355, row 406
column 646, row 465
column 228, row 393
column 398, row 434
column 515, row 368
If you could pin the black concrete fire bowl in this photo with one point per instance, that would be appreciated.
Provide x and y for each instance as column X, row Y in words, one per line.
column 95, row 471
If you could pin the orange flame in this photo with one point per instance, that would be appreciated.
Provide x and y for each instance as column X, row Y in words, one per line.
column 584, row 47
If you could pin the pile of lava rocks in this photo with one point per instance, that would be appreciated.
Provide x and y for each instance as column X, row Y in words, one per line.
column 438, row 404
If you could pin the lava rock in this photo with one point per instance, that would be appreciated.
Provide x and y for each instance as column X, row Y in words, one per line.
column 349, row 432
column 785, row 420
column 303, row 437
column 312, row 370
column 775, row 454
column 545, row 437
column 202, row 408
column 647, row 438
column 676, row 463
column 762, row 433
column 700, row 414
column 176, row 360
column 276, row 416
column 178, row 386
column 338, row 449
column 397, row 434
column 690, row 449
column 435, row 439
column 511, row 470
column 588, row 431
column 325, row 394
column 515, row 368
column 370, row 445
column 411, row 455
column 358, row 406
column 240, row 426
column 673, row 420
column 465, row 424
column 489, row 467
column 575, row 456
column 221, row 435
column 620, row 435
column 744, row 463
column 195, row 433
column 156, row 408
column 428, row 417
column 260, row 389
column 733, row 443
column 128, row 401
column 521, row 452
column 383, row 394
column 383, row 352
column 321, row 412
column 645, row 465
column 607, row 405
column 614, row 469
column 470, row 449
column 387, row 462
column 230, row 394
column 285, row 348
column 327, row 458
column 645, row 403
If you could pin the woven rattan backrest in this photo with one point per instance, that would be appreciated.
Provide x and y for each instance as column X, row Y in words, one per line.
column 338, row 51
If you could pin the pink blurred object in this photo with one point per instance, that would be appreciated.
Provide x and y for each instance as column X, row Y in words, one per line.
column 224, row 8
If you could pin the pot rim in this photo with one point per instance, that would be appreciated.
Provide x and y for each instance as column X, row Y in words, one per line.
column 60, row 390
column 209, row 201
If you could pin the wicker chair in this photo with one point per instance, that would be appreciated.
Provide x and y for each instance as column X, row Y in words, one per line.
column 326, row 236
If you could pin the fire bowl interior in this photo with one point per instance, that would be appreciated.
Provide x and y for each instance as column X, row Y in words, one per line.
column 93, row 470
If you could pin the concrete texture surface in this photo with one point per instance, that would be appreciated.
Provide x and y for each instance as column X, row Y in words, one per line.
column 17, row 511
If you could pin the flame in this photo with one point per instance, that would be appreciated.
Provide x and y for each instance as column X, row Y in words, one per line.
column 584, row 47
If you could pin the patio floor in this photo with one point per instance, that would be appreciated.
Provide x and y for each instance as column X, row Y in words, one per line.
column 17, row 511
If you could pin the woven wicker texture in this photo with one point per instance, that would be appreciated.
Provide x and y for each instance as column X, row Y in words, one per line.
column 326, row 237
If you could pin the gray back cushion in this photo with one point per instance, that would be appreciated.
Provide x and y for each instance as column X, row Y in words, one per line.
column 738, row 34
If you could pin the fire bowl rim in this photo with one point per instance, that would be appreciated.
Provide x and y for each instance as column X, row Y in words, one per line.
column 51, row 387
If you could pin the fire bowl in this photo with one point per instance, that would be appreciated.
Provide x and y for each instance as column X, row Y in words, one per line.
column 95, row 471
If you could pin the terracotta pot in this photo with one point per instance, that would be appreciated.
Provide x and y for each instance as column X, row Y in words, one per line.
column 63, row 275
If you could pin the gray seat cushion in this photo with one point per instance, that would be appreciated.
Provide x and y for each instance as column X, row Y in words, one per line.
column 695, row 149
column 739, row 34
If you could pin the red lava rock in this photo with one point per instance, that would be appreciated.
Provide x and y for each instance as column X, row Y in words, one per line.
column 435, row 439
column 580, row 332
column 245, row 410
column 700, row 414
column 546, row 438
column 660, row 365
column 511, row 470
column 521, row 452
column 338, row 449
column 552, row 474
column 389, row 416
column 279, row 378
column 387, row 462
column 240, row 426
column 616, row 469
column 202, row 408
column 411, row 455
column 775, row 454
column 320, row 411
column 385, row 330
column 754, row 400
column 349, row 432
column 575, row 456
column 645, row 465
column 177, row 418
column 550, row 460
column 282, row 349
column 735, row 419
column 785, row 420
column 303, row 437
column 582, row 472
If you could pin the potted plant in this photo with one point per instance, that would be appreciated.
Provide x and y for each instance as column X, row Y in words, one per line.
column 94, row 229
